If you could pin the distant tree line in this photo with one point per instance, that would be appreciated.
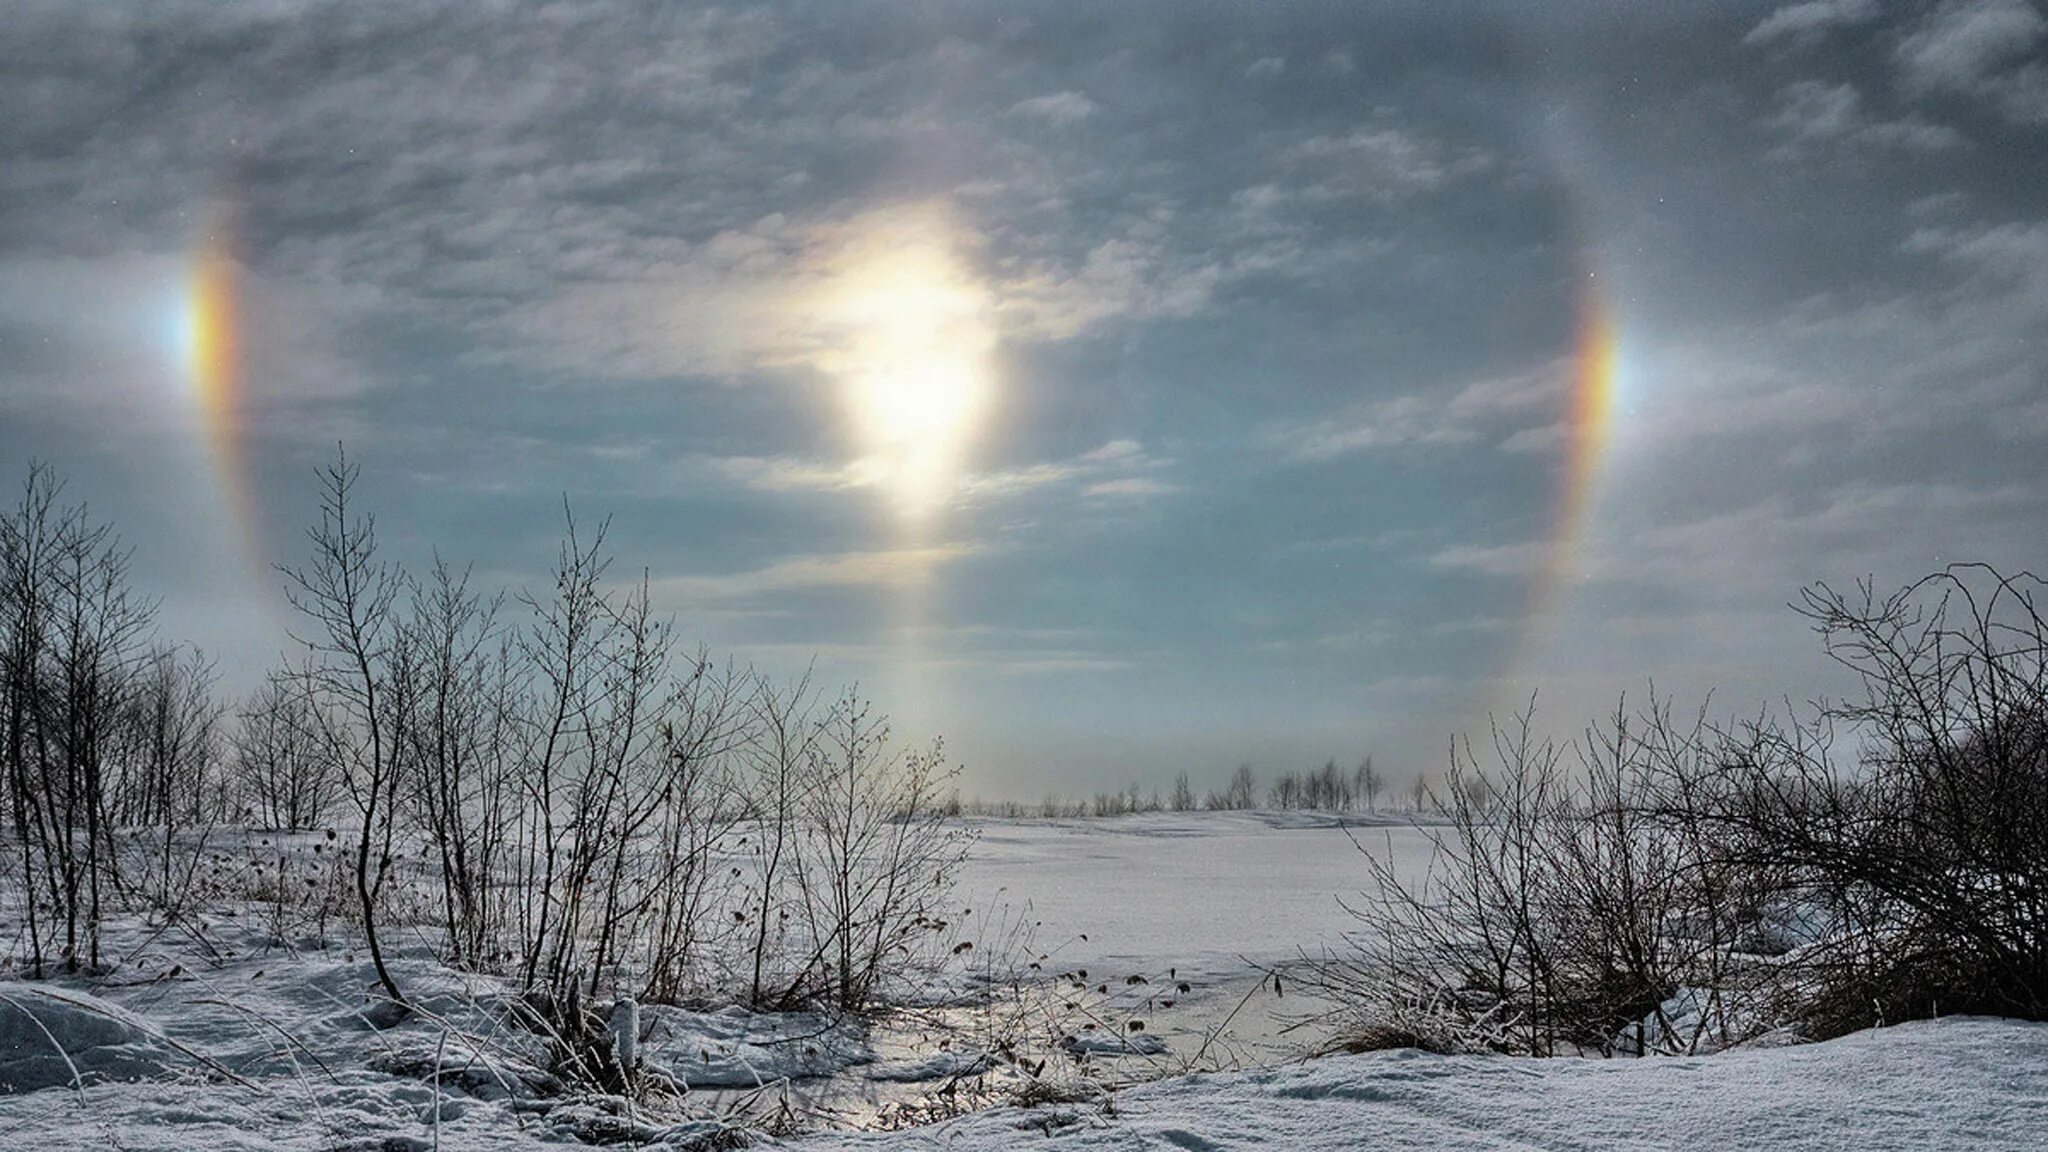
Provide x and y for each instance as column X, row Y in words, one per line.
column 1327, row 789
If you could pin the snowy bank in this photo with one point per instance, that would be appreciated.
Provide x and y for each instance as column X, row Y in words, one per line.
column 321, row 1081
column 53, row 1037
column 1956, row 1083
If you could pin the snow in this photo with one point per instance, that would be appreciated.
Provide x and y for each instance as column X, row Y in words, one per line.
column 227, row 1035
column 1210, row 894
column 51, row 1037
column 1956, row 1083
column 1202, row 899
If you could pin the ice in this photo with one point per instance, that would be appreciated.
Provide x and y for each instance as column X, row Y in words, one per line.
column 1103, row 1043
column 735, row 1048
column 1207, row 894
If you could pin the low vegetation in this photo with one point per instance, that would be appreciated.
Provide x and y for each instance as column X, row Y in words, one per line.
column 545, row 782
column 1671, row 886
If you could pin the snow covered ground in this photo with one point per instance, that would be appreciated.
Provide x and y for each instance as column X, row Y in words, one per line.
column 1208, row 893
column 229, row 1038
column 1209, row 900
column 1957, row 1083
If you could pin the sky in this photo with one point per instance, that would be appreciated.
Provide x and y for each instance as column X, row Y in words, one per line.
column 1116, row 390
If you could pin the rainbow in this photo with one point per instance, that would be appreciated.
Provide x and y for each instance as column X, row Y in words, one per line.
column 210, row 334
column 1594, row 378
column 1588, row 423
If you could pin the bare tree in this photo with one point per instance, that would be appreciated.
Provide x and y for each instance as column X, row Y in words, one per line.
column 1930, row 847
column 346, row 600
column 171, row 779
column 1242, row 791
column 562, row 648
column 72, row 644
column 881, row 855
column 702, row 811
column 1565, row 914
column 459, row 751
column 97, row 624
column 171, row 770
column 1367, row 782
column 785, row 733
column 285, row 777
column 28, row 545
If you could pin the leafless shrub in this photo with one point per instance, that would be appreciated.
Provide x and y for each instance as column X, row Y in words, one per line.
column 1924, row 855
column 878, row 854
column 1367, row 784
column 1666, row 887
column 1572, row 907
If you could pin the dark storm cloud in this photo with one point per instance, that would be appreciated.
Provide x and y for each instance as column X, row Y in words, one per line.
column 1283, row 303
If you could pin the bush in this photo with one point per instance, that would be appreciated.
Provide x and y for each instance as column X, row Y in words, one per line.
column 1665, row 887
column 1928, row 849
column 1564, row 913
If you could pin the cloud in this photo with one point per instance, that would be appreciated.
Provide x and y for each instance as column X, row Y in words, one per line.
column 1546, row 438
column 594, row 248
column 794, row 474
column 1808, row 22
column 773, row 295
column 1121, row 278
column 1771, row 546
column 759, row 298
column 1118, row 468
column 1962, row 44
column 1518, row 559
column 1810, row 111
column 925, row 655
column 1986, row 48
column 1467, row 416
column 1059, row 109
column 1381, row 160
column 888, row 569
column 1844, row 532
column 1131, row 487
column 2011, row 255
column 108, row 337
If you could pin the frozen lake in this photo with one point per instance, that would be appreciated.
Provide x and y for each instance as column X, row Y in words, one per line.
column 1210, row 893
column 1209, row 899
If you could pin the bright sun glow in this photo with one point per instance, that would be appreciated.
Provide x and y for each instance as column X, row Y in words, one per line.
column 910, row 339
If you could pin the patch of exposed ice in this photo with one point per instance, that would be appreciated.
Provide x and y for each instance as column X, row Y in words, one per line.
column 1104, row 1042
column 735, row 1048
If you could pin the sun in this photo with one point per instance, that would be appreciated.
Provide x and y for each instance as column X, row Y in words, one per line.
column 911, row 340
